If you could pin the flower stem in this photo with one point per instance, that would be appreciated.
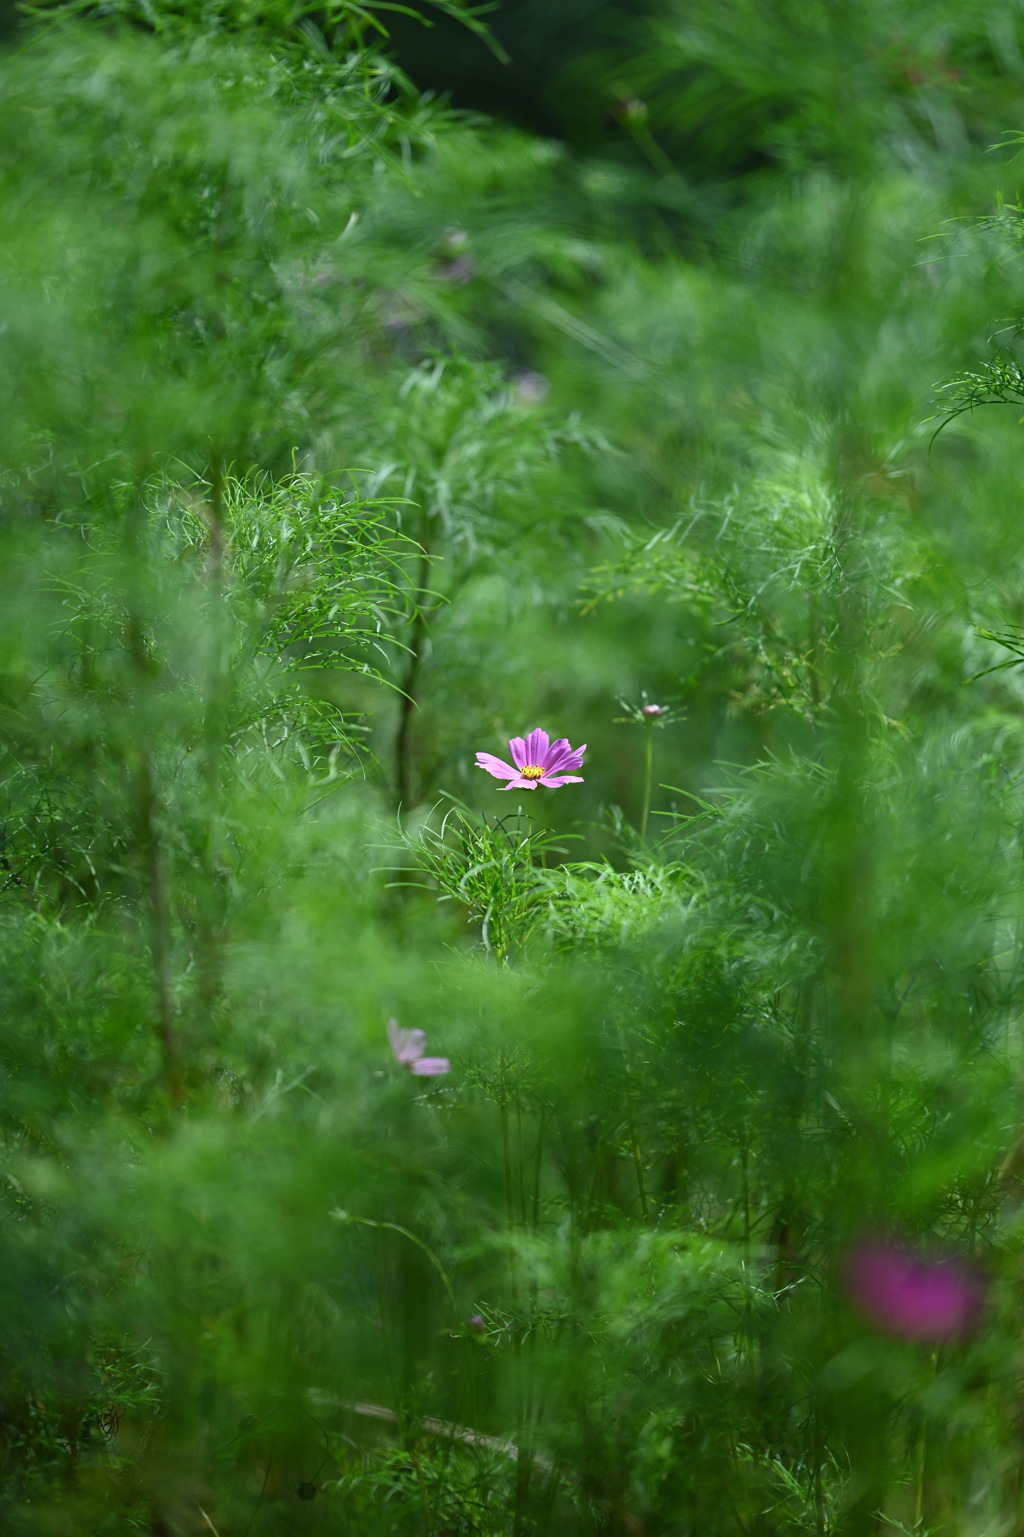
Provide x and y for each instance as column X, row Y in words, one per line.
column 396, row 1227
column 648, row 766
column 638, row 1164
column 921, row 1455
column 408, row 694
column 523, row 1460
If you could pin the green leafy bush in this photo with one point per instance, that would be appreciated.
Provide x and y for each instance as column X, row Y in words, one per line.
column 346, row 437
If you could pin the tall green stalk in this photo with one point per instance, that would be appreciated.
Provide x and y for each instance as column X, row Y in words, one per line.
column 648, row 773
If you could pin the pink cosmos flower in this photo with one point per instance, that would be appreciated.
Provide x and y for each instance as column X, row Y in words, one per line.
column 537, row 761
column 913, row 1296
column 408, row 1045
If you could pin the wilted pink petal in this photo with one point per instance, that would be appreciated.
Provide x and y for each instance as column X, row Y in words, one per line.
column 914, row 1296
column 538, row 761
column 408, row 1045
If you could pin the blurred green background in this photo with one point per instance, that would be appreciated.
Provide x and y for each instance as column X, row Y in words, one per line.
column 375, row 392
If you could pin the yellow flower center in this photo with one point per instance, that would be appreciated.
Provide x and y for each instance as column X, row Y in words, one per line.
column 531, row 771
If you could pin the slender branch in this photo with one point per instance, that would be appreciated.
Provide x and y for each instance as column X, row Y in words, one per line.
column 435, row 1427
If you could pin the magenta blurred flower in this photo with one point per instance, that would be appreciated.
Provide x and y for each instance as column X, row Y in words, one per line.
column 408, row 1045
column 652, row 711
column 537, row 761
column 911, row 1295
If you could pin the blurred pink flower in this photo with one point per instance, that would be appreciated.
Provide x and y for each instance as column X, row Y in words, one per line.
column 537, row 761
column 652, row 711
column 408, row 1045
column 911, row 1295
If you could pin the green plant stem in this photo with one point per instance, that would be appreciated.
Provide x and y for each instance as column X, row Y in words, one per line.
column 639, row 1167
column 524, row 1433
column 521, row 1163
column 652, row 151
column 408, row 700
column 210, row 916
column 523, row 1459
column 538, row 1159
column 506, row 1145
column 648, row 769
column 159, row 926
column 745, row 1170
column 396, row 1227
column 919, row 1472
column 150, row 842
column 818, row 1456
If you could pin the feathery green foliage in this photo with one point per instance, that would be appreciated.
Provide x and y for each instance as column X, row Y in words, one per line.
column 346, row 436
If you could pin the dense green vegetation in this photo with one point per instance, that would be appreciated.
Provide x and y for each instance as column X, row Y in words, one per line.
column 346, row 434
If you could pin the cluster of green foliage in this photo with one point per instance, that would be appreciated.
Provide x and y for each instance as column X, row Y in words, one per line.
column 343, row 436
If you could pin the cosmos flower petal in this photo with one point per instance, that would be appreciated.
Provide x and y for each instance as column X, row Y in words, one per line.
column 407, row 1045
column 495, row 766
column 552, row 762
column 914, row 1296
column 573, row 755
column 430, row 1067
column 536, row 747
column 567, row 758
column 562, row 766
column 556, row 752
